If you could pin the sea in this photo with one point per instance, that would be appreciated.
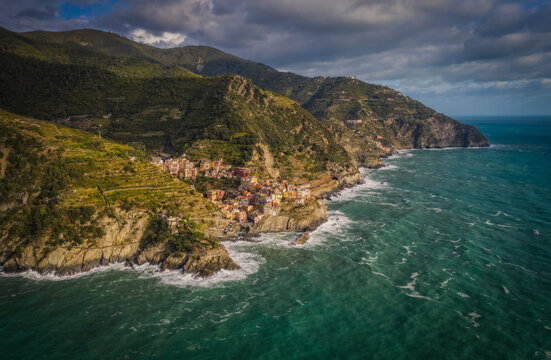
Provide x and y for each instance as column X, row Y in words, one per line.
column 441, row 254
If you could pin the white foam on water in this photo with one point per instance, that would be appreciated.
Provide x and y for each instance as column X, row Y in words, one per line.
column 376, row 272
column 444, row 283
column 463, row 295
column 225, row 314
column 388, row 167
column 363, row 188
column 274, row 240
column 370, row 260
column 353, row 192
column 487, row 249
column 440, row 197
column 415, row 294
column 499, row 212
column 452, row 148
column 473, row 317
column 411, row 287
column 334, row 226
column 488, row 222
column 35, row 275
column 516, row 265
column 248, row 262
column 388, row 204
column 379, row 274
column 408, row 251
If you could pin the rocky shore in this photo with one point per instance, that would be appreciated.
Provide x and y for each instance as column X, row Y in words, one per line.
column 202, row 262
column 299, row 219
column 121, row 243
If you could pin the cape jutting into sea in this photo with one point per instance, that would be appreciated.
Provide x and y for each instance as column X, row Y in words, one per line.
column 443, row 254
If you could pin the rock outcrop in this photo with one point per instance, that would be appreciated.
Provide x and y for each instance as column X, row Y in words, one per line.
column 324, row 190
column 298, row 219
column 202, row 262
column 438, row 131
column 121, row 243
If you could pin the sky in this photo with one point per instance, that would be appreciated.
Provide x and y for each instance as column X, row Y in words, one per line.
column 461, row 57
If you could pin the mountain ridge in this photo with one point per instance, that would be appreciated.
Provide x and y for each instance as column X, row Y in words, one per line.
column 140, row 101
column 342, row 103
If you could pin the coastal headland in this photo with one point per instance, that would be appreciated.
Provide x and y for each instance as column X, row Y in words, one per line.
column 114, row 151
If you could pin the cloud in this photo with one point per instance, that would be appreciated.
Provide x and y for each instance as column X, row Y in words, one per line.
column 165, row 40
column 37, row 14
column 424, row 47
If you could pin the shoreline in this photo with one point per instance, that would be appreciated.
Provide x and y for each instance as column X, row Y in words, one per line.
column 126, row 264
column 157, row 268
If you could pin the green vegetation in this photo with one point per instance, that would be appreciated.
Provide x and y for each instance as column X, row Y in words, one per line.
column 63, row 187
column 203, row 184
column 44, row 76
column 185, row 238
column 401, row 121
column 58, row 184
column 79, row 48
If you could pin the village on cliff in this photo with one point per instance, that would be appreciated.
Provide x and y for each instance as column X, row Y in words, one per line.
column 253, row 198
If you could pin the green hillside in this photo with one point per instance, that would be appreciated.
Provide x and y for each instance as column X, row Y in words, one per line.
column 401, row 122
column 59, row 185
column 89, row 48
column 221, row 117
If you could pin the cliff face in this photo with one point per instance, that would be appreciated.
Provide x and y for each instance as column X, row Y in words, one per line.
column 298, row 219
column 121, row 243
column 70, row 202
column 325, row 187
column 203, row 262
column 52, row 213
column 332, row 100
column 435, row 132
column 338, row 100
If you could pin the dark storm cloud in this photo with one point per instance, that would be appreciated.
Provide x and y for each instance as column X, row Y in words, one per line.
column 27, row 15
column 37, row 14
column 424, row 46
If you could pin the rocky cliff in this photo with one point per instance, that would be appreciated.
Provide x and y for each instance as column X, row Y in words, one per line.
column 437, row 131
column 70, row 201
column 121, row 243
column 296, row 219
column 59, row 185
column 203, row 262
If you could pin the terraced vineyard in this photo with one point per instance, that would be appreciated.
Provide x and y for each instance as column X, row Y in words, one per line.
column 93, row 172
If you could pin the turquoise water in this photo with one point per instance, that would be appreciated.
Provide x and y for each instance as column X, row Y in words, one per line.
column 445, row 254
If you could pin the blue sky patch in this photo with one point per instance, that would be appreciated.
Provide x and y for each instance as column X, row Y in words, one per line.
column 69, row 10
